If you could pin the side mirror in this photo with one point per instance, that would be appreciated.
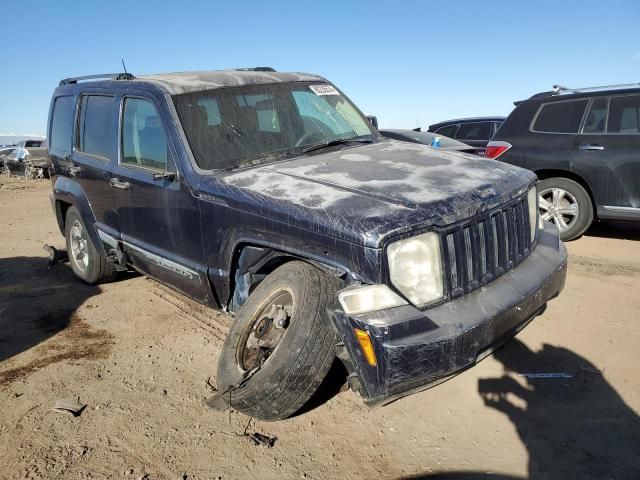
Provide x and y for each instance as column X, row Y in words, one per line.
column 373, row 120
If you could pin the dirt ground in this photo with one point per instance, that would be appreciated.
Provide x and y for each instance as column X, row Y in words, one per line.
column 139, row 356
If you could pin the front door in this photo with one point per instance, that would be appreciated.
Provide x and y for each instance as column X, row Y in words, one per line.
column 607, row 153
column 159, row 216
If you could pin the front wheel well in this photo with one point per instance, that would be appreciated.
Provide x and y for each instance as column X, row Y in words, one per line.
column 253, row 263
column 551, row 173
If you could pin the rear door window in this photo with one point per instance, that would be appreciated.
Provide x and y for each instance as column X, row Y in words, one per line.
column 624, row 115
column 475, row 131
column 62, row 125
column 596, row 121
column 448, row 131
column 560, row 117
column 96, row 133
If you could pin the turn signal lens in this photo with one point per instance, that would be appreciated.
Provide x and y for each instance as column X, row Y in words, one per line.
column 366, row 346
column 368, row 299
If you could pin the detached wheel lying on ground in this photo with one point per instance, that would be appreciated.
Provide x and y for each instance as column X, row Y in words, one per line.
column 281, row 344
column 566, row 204
column 86, row 262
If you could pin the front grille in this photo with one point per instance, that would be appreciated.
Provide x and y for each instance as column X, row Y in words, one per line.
column 477, row 252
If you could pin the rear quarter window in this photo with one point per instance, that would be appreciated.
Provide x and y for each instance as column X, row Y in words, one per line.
column 559, row 117
column 62, row 124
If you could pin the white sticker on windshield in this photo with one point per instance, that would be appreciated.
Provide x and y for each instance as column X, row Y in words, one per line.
column 324, row 89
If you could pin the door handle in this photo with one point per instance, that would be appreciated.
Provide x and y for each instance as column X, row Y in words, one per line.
column 116, row 183
column 590, row 146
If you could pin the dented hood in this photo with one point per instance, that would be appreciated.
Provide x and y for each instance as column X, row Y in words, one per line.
column 370, row 193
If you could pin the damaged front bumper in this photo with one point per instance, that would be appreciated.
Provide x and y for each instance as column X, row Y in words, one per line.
column 418, row 349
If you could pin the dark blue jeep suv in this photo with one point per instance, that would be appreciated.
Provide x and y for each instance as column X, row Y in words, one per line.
column 270, row 195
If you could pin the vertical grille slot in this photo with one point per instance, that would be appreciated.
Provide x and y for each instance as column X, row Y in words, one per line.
column 483, row 250
column 468, row 253
column 494, row 235
column 453, row 264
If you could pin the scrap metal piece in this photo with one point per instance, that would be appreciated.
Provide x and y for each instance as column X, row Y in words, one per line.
column 55, row 255
column 69, row 406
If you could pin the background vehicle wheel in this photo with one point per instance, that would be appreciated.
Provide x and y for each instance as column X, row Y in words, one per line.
column 28, row 174
column 283, row 336
column 566, row 204
column 85, row 260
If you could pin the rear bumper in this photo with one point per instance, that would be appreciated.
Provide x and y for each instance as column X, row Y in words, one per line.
column 417, row 349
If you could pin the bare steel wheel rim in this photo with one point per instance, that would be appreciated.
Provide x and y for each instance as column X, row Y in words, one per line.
column 559, row 207
column 265, row 330
column 79, row 246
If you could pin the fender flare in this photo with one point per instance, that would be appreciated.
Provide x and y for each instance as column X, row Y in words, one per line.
column 69, row 192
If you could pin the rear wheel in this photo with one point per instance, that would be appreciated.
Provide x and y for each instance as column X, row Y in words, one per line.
column 281, row 344
column 566, row 204
column 85, row 260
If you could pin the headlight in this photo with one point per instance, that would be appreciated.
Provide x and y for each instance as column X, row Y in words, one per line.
column 368, row 299
column 415, row 267
column 532, row 200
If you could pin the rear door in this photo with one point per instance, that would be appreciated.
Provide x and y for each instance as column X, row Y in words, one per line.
column 159, row 216
column 94, row 155
column 607, row 154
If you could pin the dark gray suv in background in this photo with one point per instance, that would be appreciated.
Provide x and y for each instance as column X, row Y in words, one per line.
column 584, row 145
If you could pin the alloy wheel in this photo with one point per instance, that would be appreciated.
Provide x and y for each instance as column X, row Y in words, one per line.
column 79, row 246
column 559, row 207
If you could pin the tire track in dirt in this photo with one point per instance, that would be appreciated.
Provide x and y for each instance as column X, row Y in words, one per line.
column 213, row 322
column 604, row 267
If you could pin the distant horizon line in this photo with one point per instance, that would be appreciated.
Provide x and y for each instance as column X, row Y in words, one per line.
column 21, row 135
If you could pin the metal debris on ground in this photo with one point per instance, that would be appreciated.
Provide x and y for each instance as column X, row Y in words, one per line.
column 546, row 375
column 55, row 255
column 69, row 406
column 259, row 438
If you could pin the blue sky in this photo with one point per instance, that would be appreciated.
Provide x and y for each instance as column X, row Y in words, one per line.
column 409, row 63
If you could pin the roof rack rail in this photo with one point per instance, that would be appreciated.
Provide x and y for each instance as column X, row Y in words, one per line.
column 559, row 89
column 256, row 69
column 100, row 76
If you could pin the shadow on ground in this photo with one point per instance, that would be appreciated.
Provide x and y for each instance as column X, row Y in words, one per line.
column 620, row 230
column 37, row 303
column 573, row 428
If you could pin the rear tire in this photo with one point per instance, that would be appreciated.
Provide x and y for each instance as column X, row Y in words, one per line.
column 300, row 358
column 566, row 204
column 86, row 262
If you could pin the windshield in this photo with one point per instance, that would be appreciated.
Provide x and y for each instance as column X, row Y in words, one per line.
column 232, row 127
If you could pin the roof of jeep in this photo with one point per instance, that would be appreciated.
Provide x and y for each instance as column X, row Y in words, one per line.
column 188, row 82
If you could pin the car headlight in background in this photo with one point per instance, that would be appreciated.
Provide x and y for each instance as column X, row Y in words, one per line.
column 532, row 201
column 415, row 267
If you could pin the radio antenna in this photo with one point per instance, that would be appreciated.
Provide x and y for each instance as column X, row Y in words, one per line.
column 123, row 65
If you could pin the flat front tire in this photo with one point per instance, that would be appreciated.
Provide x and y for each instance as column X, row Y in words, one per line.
column 281, row 344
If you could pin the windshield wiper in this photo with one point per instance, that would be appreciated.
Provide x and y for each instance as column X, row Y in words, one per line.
column 333, row 143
